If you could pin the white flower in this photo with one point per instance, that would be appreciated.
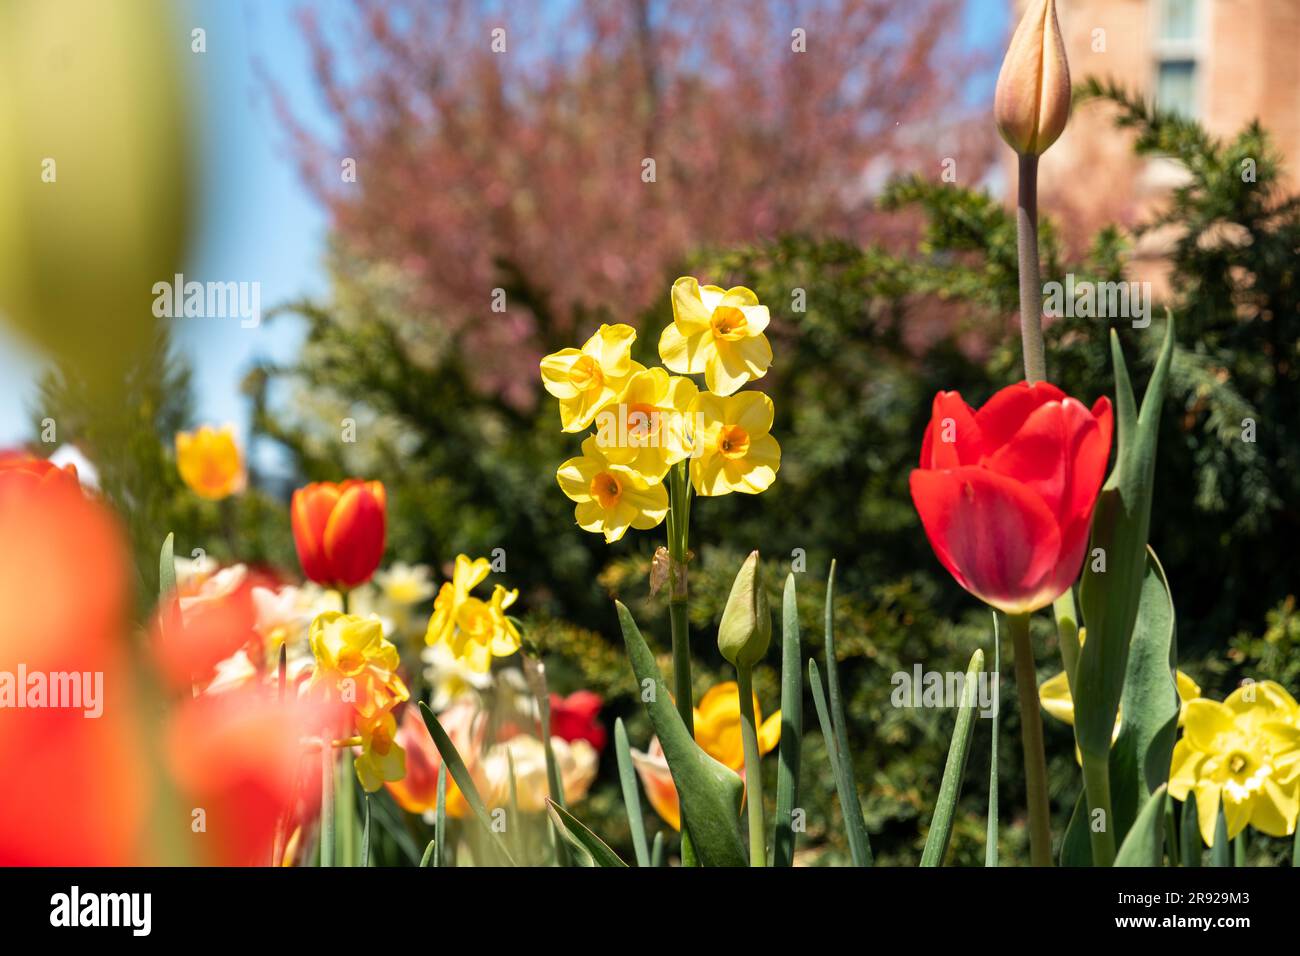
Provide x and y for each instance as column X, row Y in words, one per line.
column 406, row 584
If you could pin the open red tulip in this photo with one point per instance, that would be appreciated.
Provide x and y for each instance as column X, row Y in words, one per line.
column 1006, row 493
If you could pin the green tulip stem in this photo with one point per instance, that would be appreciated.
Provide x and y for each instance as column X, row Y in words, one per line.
column 1031, row 292
column 1031, row 739
column 1067, row 630
column 679, row 523
column 753, row 769
column 1096, row 783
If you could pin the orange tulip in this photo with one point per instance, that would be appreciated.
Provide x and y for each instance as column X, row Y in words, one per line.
column 76, row 784
column 339, row 531
column 19, row 469
column 209, row 462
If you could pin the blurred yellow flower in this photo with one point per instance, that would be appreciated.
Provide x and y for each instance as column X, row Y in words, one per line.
column 733, row 448
column 611, row 498
column 473, row 630
column 586, row 380
column 647, row 428
column 381, row 759
column 1245, row 754
column 209, row 462
column 717, row 731
column 718, row 332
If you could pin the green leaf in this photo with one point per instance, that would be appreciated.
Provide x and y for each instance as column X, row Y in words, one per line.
column 823, row 718
column 167, row 566
column 1076, row 845
column 440, row 815
column 365, row 833
column 787, row 774
column 631, row 795
column 936, row 842
column 1190, row 835
column 1121, row 521
column 1220, row 853
column 657, row 851
column 589, row 847
column 991, row 831
column 1140, row 759
column 428, row 854
column 710, row 792
column 856, row 827
column 1144, row 845
column 460, row 773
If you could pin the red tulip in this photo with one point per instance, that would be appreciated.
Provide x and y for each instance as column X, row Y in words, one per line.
column 339, row 531
column 1006, row 493
column 21, row 470
column 574, row 718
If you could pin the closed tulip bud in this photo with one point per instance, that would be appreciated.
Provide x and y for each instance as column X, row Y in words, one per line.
column 339, row 531
column 1032, row 101
column 746, row 627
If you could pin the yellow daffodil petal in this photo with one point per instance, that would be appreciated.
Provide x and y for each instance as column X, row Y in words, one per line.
column 1054, row 696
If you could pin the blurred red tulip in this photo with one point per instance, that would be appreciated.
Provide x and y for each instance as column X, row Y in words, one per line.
column 76, row 784
column 196, row 631
column 1006, row 493
column 17, row 468
column 575, row 718
column 339, row 531
column 235, row 760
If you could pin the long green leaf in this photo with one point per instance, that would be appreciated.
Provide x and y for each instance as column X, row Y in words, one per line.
column 167, row 566
column 1140, row 759
column 428, row 854
column 657, row 851
column 440, row 815
column 1221, row 852
column 855, row 826
column 710, row 793
column 824, row 719
column 936, row 842
column 991, row 831
column 1076, row 845
column 589, row 847
column 1120, row 524
column 365, row 833
column 787, row 774
column 1144, row 845
column 460, row 773
column 631, row 795
column 1190, row 833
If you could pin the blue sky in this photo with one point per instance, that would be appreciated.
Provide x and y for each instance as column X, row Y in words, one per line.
column 256, row 221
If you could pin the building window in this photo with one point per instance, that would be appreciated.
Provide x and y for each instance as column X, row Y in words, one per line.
column 1177, row 53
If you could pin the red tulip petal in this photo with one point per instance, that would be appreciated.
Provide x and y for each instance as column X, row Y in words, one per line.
column 310, row 511
column 995, row 536
column 952, row 438
column 354, row 536
column 1003, row 414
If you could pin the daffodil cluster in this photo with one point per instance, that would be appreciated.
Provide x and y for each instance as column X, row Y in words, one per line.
column 1242, row 755
column 467, row 629
column 356, row 666
column 646, row 421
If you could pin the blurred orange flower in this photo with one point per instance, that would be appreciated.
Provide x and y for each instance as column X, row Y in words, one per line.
column 17, row 468
column 210, row 463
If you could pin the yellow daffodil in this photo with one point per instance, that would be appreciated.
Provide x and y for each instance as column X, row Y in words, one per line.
column 357, row 663
column 473, row 630
column 718, row 332
column 586, row 380
column 733, row 448
column 1054, row 696
column 1243, row 754
column 381, row 759
column 209, row 462
column 717, row 731
column 647, row 428
column 610, row 498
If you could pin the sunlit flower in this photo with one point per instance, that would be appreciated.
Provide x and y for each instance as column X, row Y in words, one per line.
column 209, row 462
column 381, row 758
column 734, row 450
column 473, row 629
column 717, row 731
column 417, row 792
column 356, row 664
column 576, row 762
column 1243, row 754
column 339, row 530
column 450, row 677
column 586, row 380
column 718, row 332
column 610, row 498
column 647, row 428
column 405, row 584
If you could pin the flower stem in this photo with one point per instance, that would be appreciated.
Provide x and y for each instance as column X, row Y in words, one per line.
column 1096, row 783
column 1031, row 740
column 753, row 767
column 679, row 519
column 1031, row 292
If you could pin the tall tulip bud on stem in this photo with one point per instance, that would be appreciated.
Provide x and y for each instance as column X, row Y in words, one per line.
column 743, row 637
column 1031, row 106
